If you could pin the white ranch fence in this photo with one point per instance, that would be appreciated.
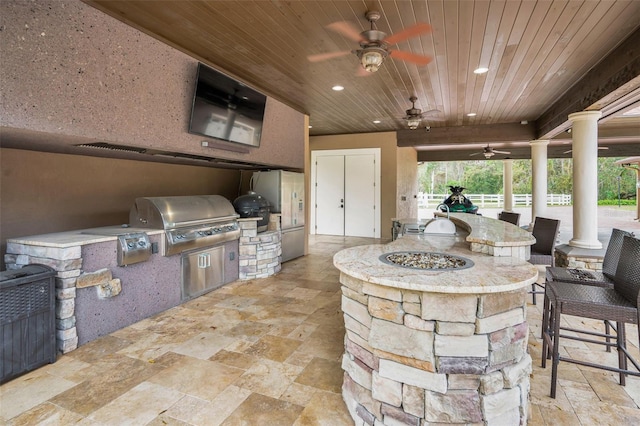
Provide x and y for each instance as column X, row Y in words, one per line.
column 493, row 200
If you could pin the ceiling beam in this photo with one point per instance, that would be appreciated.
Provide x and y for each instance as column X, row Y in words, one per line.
column 617, row 75
column 459, row 135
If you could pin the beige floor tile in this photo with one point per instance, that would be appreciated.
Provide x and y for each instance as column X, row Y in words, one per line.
column 303, row 331
column 250, row 331
column 273, row 347
column 322, row 374
column 150, row 346
column 99, row 348
column 204, row 345
column 235, row 359
column 298, row 394
column 237, row 302
column 210, row 413
column 138, row 406
column 65, row 367
column 268, row 377
column 196, row 377
column 106, row 380
column 607, row 387
column 325, row 409
column 45, row 414
column 259, row 409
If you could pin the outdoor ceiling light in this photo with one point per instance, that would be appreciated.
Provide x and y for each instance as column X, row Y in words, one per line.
column 371, row 57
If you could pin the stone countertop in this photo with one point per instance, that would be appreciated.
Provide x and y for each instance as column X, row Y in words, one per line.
column 80, row 237
column 485, row 230
column 489, row 274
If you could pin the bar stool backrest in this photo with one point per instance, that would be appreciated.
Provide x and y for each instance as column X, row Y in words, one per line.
column 626, row 281
column 510, row 217
column 614, row 249
column 545, row 232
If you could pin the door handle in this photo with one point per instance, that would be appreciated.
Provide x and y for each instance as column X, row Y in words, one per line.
column 204, row 260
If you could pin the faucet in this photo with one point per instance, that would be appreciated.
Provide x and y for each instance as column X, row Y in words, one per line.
column 447, row 207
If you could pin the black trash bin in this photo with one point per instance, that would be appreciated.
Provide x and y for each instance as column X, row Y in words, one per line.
column 27, row 320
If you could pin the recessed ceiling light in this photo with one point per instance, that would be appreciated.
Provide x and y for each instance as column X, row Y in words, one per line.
column 376, row 121
column 471, row 114
column 310, row 126
column 338, row 88
column 480, row 70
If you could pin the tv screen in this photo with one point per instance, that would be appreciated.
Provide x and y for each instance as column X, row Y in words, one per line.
column 226, row 109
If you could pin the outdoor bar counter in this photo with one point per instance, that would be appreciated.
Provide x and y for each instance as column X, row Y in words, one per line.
column 439, row 346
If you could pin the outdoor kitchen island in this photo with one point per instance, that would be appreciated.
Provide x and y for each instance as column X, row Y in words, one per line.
column 438, row 345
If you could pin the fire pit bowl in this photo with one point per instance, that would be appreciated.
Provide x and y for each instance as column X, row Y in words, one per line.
column 427, row 261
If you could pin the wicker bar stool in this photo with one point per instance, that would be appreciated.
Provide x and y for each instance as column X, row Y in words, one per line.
column 597, row 278
column 617, row 304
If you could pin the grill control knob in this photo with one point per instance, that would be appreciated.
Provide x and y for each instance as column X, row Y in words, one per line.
column 130, row 245
column 141, row 243
column 217, row 229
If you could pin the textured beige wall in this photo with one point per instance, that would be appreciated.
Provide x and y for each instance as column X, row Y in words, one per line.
column 388, row 169
column 69, row 69
column 407, row 186
column 45, row 192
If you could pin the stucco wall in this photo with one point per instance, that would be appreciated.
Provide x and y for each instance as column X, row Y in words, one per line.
column 70, row 69
column 388, row 169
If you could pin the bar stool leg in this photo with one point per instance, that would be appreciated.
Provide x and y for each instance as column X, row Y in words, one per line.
column 621, row 341
column 555, row 348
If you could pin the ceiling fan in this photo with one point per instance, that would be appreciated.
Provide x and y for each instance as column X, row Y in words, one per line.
column 415, row 115
column 489, row 152
column 374, row 44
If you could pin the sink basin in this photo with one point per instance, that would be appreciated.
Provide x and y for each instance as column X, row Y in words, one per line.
column 440, row 226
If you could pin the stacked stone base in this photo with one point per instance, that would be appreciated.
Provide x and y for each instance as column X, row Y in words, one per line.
column 419, row 358
column 260, row 253
column 570, row 257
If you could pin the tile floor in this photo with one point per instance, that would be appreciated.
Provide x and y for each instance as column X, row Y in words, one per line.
column 264, row 352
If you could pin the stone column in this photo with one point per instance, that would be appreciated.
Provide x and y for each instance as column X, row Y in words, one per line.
column 507, row 178
column 585, row 179
column 538, row 179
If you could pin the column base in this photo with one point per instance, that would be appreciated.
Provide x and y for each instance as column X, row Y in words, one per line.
column 587, row 244
column 572, row 257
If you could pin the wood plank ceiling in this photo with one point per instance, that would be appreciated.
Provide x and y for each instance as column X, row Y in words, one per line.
column 536, row 52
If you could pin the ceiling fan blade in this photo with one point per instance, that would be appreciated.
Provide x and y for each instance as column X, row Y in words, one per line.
column 412, row 31
column 410, row 57
column 330, row 55
column 501, row 152
column 347, row 29
column 475, row 153
column 600, row 147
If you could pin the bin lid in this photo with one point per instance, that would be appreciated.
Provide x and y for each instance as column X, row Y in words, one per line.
column 32, row 271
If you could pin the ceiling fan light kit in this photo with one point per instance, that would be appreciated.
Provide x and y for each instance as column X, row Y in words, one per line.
column 371, row 57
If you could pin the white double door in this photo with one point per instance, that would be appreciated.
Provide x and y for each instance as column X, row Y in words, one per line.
column 346, row 196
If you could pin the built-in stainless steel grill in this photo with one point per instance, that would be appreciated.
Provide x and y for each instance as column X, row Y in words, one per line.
column 189, row 222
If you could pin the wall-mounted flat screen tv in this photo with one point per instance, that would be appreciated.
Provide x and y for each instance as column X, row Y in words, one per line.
column 226, row 109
